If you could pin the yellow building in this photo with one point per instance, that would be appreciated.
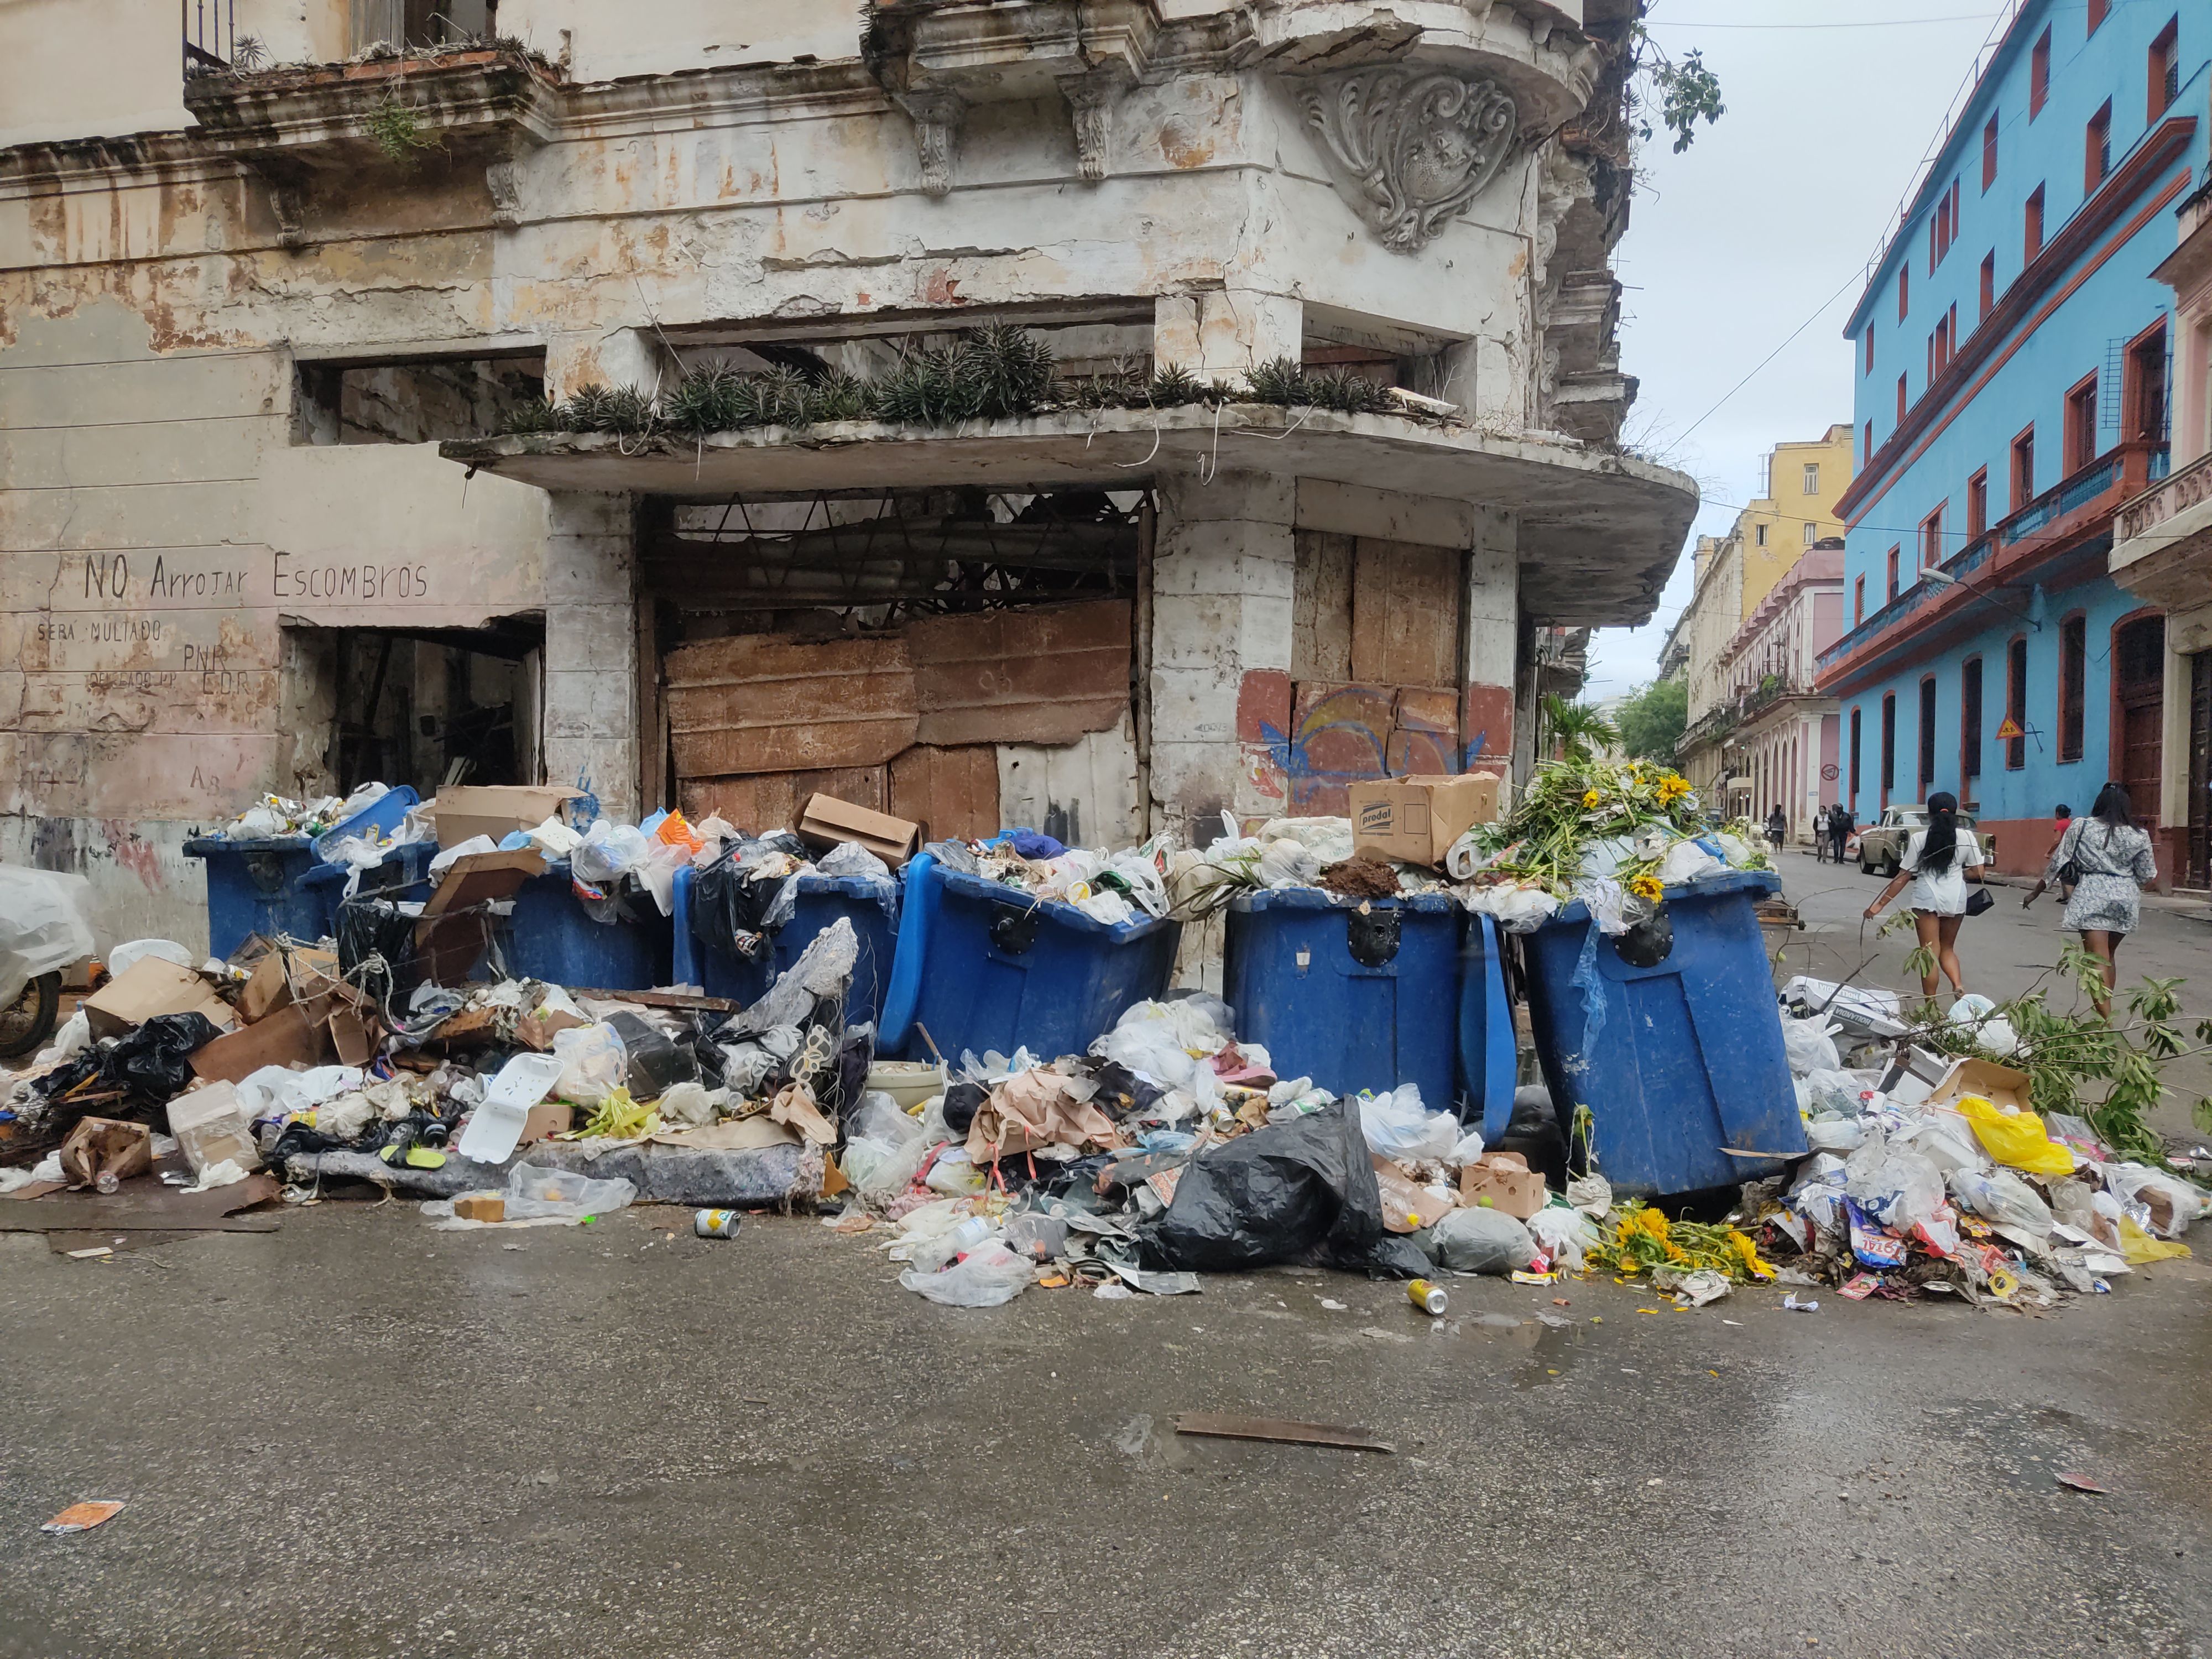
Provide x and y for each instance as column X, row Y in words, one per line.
column 1734, row 575
column 1803, row 482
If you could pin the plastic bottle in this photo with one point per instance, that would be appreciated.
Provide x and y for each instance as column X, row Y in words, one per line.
column 105, row 1182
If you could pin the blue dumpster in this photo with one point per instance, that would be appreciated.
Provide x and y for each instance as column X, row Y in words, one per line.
column 1670, row 1035
column 1356, row 994
column 870, row 903
column 550, row 936
column 984, row 966
column 281, row 884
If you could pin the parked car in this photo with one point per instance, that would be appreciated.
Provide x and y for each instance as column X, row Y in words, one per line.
column 1880, row 845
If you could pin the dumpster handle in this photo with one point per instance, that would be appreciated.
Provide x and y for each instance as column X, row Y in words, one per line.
column 902, row 997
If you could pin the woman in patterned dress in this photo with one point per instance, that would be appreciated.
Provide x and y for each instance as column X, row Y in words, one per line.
column 2114, row 865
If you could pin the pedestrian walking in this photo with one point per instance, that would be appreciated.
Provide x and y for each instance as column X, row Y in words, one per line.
column 1938, row 860
column 1820, row 836
column 1839, row 826
column 2102, row 862
column 1777, row 828
column 2060, row 819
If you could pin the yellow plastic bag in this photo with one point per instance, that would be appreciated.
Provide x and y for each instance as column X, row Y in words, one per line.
column 2139, row 1246
column 2018, row 1141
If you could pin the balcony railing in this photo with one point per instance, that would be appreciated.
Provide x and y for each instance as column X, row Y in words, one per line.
column 2175, row 492
column 2069, row 495
column 1724, row 717
column 210, row 36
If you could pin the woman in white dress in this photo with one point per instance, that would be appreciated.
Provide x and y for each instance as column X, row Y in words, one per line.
column 2113, row 863
column 1938, row 860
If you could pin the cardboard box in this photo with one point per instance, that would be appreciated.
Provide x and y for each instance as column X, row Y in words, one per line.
column 448, row 946
column 1416, row 820
column 109, row 1144
column 1916, row 1074
column 828, row 821
column 310, row 970
column 547, row 1118
column 150, row 986
column 290, row 1036
column 210, row 1127
column 1506, row 1180
column 497, row 811
column 2000, row 1085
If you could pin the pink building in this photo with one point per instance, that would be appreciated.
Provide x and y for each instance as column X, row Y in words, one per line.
column 1782, row 747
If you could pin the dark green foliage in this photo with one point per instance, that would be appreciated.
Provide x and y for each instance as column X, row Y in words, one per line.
column 1175, row 386
column 1341, row 390
column 538, row 415
column 1282, row 381
column 842, row 396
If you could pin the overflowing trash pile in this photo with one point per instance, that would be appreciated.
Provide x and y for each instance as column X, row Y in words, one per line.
column 1934, row 1174
column 274, row 818
column 1110, row 887
column 1169, row 1149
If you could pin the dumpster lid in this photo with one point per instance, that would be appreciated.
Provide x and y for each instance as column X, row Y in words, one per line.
column 200, row 846
column 1716, row 886
column 1320, row 898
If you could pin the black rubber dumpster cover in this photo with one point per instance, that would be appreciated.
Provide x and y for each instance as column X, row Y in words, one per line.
column 1301, row 1192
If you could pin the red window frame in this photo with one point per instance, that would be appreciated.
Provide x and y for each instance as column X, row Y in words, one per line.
column 1977, row 505
column 2032, row 225
column 2023, row 468
column 2016, row 700
column 2097, row 149
column 1989, row 154
column 1989, row 282
column 1895, row 555
column 2038, row 77
column 2073, row 685
column 2081, row 424
column 1858, row 598
column 1931, row 535
column 2160, row 66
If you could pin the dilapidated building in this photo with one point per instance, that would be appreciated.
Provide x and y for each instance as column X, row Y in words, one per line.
column 285, row 506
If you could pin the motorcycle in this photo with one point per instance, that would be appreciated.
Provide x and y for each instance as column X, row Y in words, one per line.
column 44, row 928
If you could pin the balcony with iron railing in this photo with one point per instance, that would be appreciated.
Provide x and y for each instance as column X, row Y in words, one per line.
column 1746, row 705
column 2055, row 520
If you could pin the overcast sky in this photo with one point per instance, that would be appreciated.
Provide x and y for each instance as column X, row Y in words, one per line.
column 1734, row 244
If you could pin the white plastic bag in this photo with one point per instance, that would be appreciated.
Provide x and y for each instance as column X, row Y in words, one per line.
column 1810, row 1047
column 1992, row 1032
column 1687, row 862
column 537, row 1194
column 2174, row 1203
column 124, row 957
column 2003, row 1198
column 849, row 858
column 1478, row 1241
column 593, row 1063
column 1398, row 1125
column 1564, row 1232
column 1834, row 1134
column 988, row 1275
column 608, row 850
column 469, row 849
column 1836, row 1092
column 1893, row 1184
column 1467, row 1149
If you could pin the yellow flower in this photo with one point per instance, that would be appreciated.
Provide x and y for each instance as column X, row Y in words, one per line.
column 1589, row 798
column 1646, row 886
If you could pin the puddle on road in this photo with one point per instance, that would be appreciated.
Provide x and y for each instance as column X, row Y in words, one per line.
column 1547, row 1339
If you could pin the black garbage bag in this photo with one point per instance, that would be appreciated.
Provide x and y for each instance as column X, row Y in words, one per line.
column 155, row 1061
column 1302, row 1192
column 962, row 1102
column 1535, row 1133
column 738, row 909
column 371, row 927
column 657, row 1060
column 856, row 1053
column 152, row 1062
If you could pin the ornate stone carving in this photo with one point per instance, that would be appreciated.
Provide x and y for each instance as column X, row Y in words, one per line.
column 289, row 205
column 936, row 117
column 1091, row 97
column 505, row 193
column 1410, row 148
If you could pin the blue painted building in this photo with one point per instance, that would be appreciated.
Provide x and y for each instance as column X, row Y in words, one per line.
column 2010, row 357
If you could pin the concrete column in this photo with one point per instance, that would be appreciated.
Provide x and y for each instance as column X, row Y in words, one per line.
column 613, row 357
column 591, row 720
column 1493, row 621
column 1226, row 332
column 1223, row 568
column 1488, row 377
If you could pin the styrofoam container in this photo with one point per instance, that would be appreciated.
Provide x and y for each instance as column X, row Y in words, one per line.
column 495, row 1127
column 909, row 1082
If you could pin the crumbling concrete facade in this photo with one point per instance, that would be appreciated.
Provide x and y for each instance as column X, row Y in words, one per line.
column 261, row 325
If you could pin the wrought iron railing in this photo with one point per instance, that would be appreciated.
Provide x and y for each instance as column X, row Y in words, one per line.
column 2069, row 495
column 210, row 35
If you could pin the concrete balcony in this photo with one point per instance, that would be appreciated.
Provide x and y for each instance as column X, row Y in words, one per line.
column 2163, row 539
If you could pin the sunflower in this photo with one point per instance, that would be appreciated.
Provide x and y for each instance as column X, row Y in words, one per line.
column 1590, row 799
column 1646, row 886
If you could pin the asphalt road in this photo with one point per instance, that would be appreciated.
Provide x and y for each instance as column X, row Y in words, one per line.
column 2005, row 953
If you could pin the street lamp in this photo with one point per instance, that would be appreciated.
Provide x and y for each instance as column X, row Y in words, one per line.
column 1945, row 578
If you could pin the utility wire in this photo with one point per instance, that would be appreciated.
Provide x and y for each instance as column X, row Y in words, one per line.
column 1849, row 282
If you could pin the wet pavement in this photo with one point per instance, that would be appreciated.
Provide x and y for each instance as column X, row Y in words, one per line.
column 362, row 1437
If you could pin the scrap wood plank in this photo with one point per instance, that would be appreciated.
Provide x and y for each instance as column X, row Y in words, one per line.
column 679, row 999
column 1225, row 1426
